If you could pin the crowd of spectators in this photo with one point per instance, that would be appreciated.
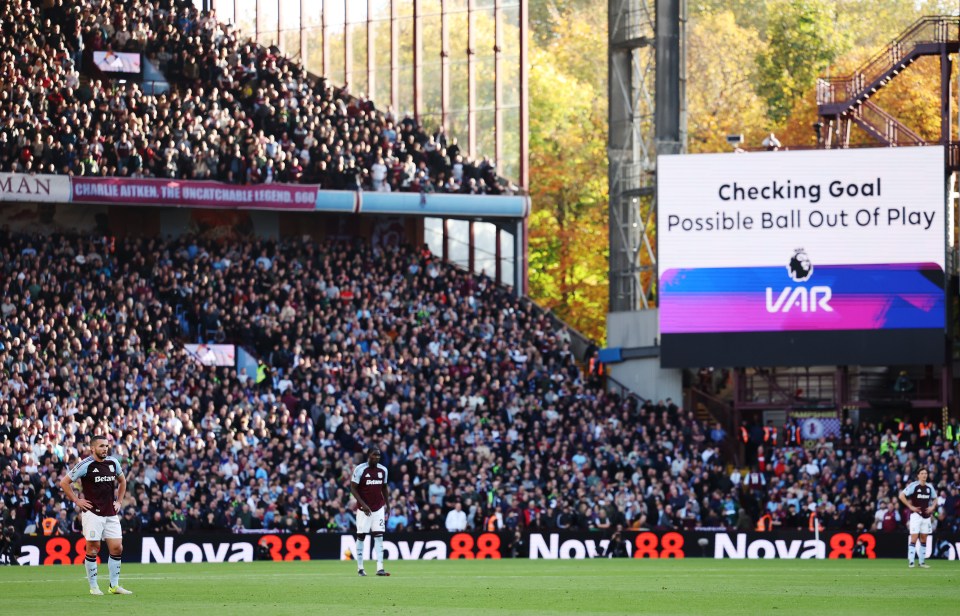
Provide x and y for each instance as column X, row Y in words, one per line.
column 473, row 396
column 851, row 482
column 235, row 111
column 484, row 418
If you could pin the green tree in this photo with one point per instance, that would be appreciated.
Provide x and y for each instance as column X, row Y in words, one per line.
column 749, row 14
column 887, row 19
column 802, row 40
column 548, row 18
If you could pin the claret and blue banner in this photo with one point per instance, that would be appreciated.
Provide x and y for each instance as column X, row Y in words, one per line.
column 205, row 194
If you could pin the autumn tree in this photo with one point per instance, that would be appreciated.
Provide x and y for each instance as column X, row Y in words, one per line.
column 750, row 15
column 801, row 41
column 568, row 181
column 752, row 67
column 721, row 99
column 549, row 18
column 887, row 19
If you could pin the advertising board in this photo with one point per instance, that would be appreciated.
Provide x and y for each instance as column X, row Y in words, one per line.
column 197, row 547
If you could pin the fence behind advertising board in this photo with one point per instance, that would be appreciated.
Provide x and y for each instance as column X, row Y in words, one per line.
column 224, row 547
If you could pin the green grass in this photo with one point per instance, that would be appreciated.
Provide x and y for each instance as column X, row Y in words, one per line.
column 425, row 588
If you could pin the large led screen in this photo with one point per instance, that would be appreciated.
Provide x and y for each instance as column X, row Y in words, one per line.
column 820, row 257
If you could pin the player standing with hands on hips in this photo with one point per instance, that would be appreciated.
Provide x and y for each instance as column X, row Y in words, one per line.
column 103, row 487
column 921, row 499
column 369, row 486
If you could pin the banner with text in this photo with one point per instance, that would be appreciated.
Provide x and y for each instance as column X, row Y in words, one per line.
column 189, row 193
column 226, row 547
column 158, row 192
column 802, row 258
column 816, row 424
column 34, row 188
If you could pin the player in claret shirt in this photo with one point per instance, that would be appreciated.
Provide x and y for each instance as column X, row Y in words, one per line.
column 921, row 499
column 102, row 486
column 369, row 486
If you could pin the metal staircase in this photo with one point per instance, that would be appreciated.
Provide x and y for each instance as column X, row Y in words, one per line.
column 844, row 101
column 711, row 410
column 882, row 126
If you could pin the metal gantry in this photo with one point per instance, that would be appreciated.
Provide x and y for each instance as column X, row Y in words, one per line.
column 646, row 118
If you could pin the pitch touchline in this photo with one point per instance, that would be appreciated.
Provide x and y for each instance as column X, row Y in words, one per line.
column 185, row 577
column 161, row 577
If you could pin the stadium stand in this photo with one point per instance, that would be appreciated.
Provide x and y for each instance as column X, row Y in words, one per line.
column 236, row 112
column 473, row 396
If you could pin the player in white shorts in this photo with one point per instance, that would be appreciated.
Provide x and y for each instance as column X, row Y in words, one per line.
column 374, row 522
column 921, row 499
column 103, row 486
column 369, row 486
column 99, row 527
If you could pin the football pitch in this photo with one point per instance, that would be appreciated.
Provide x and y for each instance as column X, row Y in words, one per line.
column 691, row 586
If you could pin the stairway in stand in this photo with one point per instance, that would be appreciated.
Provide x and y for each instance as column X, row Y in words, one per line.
column 844, row 101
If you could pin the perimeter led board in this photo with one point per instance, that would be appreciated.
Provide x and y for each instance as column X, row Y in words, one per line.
column 819, row 257
column 117, row 62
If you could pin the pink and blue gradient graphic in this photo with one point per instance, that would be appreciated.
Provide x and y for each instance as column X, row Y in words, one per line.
column 862, row 297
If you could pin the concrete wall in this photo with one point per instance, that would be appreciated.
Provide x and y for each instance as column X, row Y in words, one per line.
column 642, row 376
column 633, row 329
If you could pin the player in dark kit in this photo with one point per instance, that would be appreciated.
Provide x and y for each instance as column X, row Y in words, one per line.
column 369, row 486
column 921, row 499
column 103, row 487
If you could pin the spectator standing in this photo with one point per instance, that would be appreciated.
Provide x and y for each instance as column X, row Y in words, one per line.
column 456, row 519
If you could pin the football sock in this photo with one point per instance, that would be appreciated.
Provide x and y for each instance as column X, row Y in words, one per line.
column 378, row 551
column 113, row 563
column 91, row 564
column 921, row 552
column 911, row 551
column 359, row 554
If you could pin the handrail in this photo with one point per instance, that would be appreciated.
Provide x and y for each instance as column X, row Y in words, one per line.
column 775, row 388
column 888, row 127
column 929, row 29
column 781, row 389
column 724, row 414
column 579, row 342
column 953, row 156
column 622, row 390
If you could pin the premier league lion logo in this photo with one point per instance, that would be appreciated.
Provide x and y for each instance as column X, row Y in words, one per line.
column 800, row 267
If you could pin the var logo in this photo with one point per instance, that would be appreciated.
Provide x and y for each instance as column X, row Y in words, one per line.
column 800, row 269
column 799, row 298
